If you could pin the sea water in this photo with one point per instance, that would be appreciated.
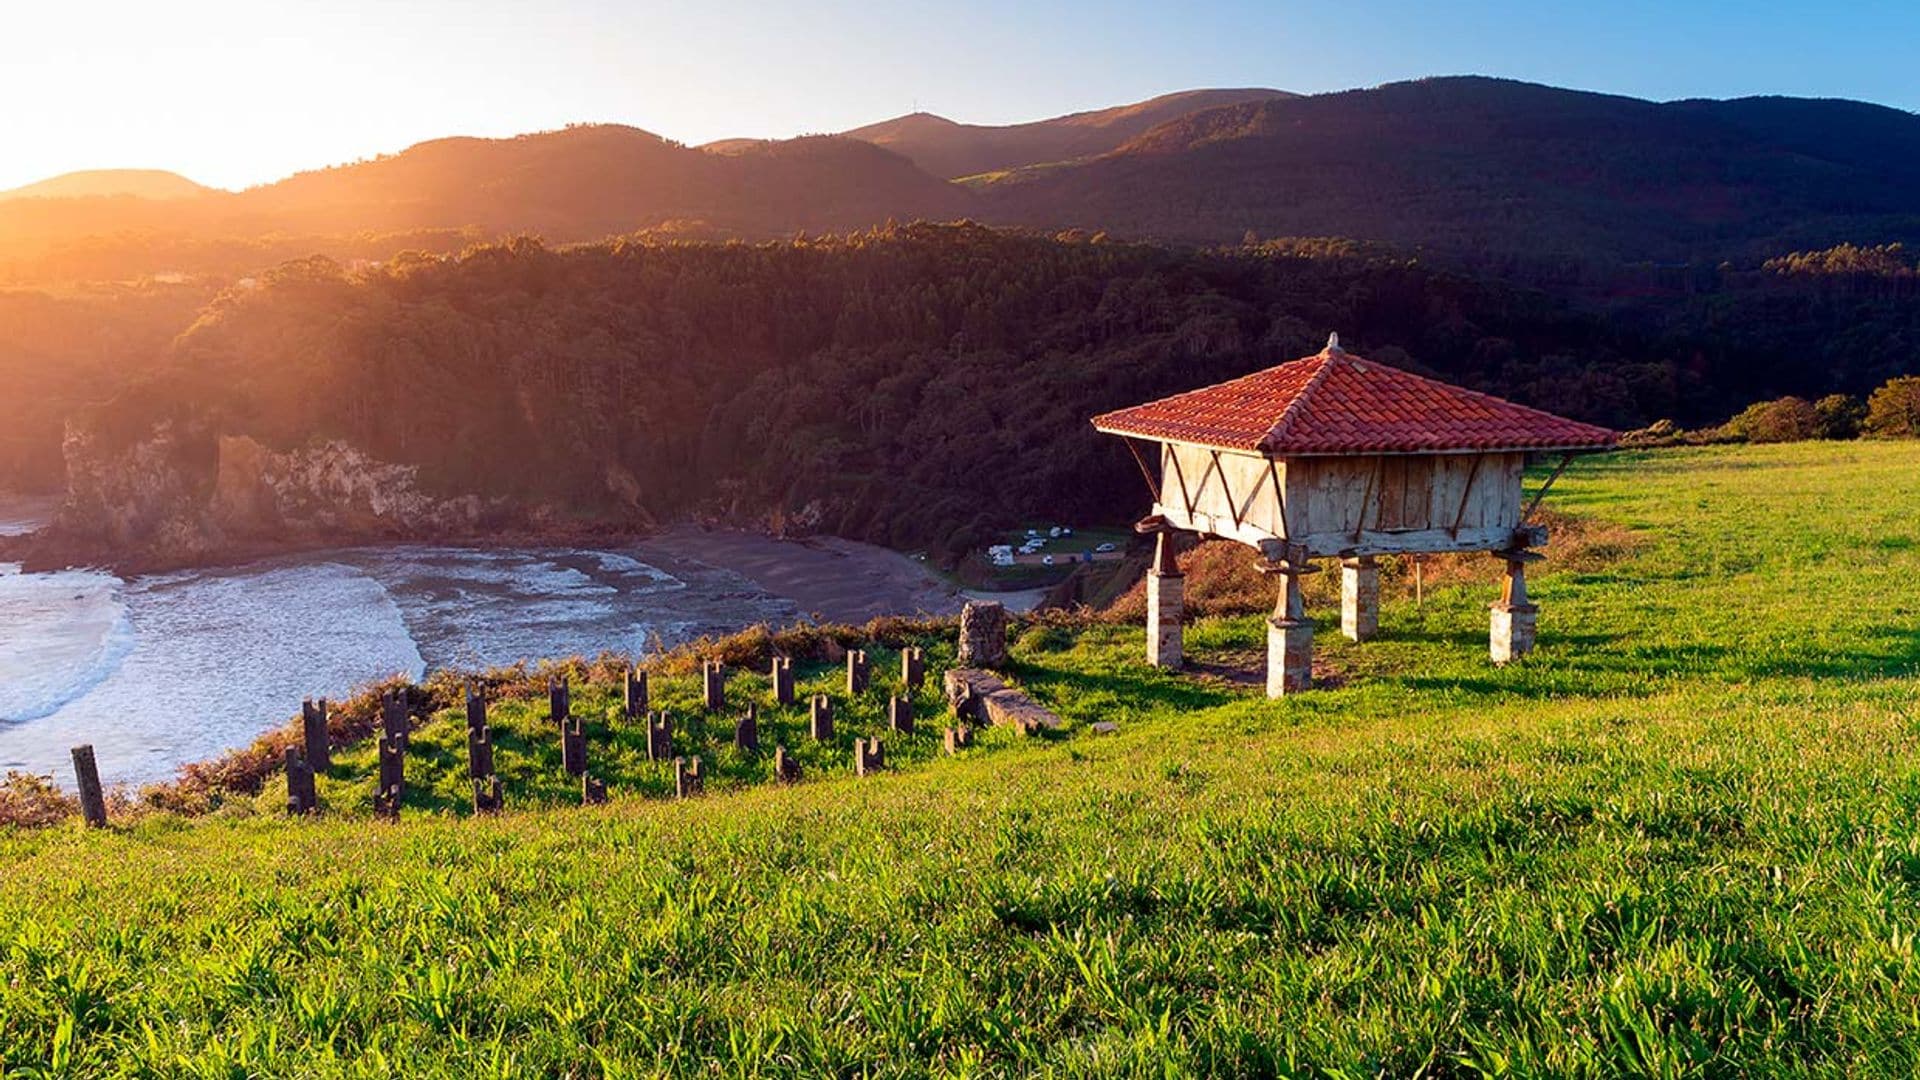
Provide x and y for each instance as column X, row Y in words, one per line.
column 162, row 670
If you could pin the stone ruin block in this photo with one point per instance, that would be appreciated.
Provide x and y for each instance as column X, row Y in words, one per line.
column 559, row 699
column 593, row 790
column 480, row 753
column 713, row 686
column 820, row 720
column 984, row 697
column 394, row 719
column 859, row 672
column 913, row 667
column 983, row 634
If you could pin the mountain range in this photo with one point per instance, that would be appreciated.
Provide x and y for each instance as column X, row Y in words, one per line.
column 1469, row 168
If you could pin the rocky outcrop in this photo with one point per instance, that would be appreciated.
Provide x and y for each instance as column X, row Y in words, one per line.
column 179, row 496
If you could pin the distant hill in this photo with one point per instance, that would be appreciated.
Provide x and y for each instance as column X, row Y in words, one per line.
column 141, row 183
column 1501, row 169
column 945, row 148
column 581, row 183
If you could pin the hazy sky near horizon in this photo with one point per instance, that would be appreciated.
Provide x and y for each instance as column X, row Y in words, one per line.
column 239, row 92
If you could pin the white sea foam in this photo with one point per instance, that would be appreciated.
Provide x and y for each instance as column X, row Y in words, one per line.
column 174, row 668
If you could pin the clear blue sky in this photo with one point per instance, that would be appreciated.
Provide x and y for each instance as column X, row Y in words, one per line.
column 232, row 92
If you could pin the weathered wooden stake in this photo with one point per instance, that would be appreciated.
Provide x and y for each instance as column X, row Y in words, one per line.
column 820, row 722
column 713, row 686
column 859, row 672
column 746, row 732
column 300, row 793
column 869, row 756
column 313, row 735
column 394, row 716
column 86, row 775
column 573, row 747
column 958, row 738
column 593, row 790
column 686, row 777
column 393, row 780
column 486, row 794
column 782, row 674
column 559, row 699
column 900, row 714
column 913, row 667
column 659, row 737
column 476, row 708
column 636, row 693
column 480, row 753
column 785, row 769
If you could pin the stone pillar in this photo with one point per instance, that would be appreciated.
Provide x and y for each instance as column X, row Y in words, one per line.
column 1289, row 631
column 983, row 634
column 1359, row 598
column 782, row 673
column 1510, row 635
column 1166, row 605
column 713, row 686
column 635, row 699
column 820, row 719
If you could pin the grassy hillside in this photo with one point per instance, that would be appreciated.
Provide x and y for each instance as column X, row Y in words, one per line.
column 1683, row 839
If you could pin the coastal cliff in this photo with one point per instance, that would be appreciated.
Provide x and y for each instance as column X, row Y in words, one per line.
column 180, row 494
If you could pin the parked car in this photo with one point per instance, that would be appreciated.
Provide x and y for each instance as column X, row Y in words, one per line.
column 1109, row 546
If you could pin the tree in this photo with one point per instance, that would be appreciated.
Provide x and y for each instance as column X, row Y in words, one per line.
column 1787, row 419
column 1839, row 416
column 1894, row 410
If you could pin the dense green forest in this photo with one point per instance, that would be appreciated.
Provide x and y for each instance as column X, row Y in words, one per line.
column 917, row 385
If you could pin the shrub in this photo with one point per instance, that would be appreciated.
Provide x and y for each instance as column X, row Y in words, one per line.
column 1787, row 419
column 1894, row 409
column 1839, row 416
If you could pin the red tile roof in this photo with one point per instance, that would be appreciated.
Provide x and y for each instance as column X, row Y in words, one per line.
column 1337, row 403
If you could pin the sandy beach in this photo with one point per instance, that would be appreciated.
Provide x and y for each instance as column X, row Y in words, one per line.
column 831, row 579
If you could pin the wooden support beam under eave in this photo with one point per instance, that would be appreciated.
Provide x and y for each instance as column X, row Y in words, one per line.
column 1366, row 542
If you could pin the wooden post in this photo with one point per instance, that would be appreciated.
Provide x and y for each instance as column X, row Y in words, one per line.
column 900, row 714
column 559, row 699
column 593, row 791
column 393, row 779
column 486, row 794
column 480, row 753
column 394, row 716
column 913, row 667
column 301, row 798
column 782, row 681
column 713, row 686
column 313, row 735
column 746, row 732
column 958, row 738
column 859, row 674
column 476, row 708
column 635, row 698
column 573, row 747
column 820, row 723
column 686, row 778
column 785, row 769
column 86, row 776
column 659, row 737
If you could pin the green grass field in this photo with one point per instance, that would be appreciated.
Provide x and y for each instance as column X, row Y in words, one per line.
column 1683, row 839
